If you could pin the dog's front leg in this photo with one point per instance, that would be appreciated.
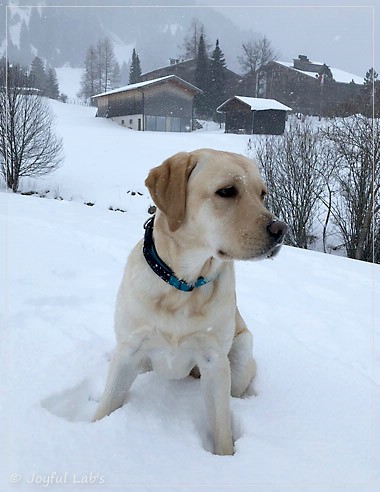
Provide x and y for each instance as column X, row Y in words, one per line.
column 216, row 388
column 121, row 374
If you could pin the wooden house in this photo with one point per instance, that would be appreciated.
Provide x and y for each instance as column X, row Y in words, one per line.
column 185, row 69
column 308, row 87
column 252, row 115
column 164, row 104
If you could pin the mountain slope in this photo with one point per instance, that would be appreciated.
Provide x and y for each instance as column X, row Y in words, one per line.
column 156, row 32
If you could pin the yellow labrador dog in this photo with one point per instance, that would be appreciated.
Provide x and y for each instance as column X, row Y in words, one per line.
column 176, row 308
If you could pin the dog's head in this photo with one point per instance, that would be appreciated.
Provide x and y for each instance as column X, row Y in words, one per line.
column 216, row 198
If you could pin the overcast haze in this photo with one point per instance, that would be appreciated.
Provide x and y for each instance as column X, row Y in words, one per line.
column 338, row 33
column 341, row 33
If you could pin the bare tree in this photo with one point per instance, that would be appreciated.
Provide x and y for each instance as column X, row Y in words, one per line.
column 256, row 53
column 28, row 146
column 356, row 206
column 189, row 47
column 290, row 165
column 108, row 68
column 330, row 175
column 89, row 84
column 101, row 70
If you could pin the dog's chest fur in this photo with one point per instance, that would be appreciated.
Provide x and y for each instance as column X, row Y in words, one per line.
column 190, row 326
column 174, row 356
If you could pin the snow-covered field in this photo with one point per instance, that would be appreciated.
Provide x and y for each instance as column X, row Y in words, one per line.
column 314, row 424
column 69, row 81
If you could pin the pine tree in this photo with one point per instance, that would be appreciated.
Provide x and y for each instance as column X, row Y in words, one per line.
column 201, row 101
column 52, row 87
column 135, row 70
column 37, row 75
column 217, row 86
column 371, row 76
column 371, row 93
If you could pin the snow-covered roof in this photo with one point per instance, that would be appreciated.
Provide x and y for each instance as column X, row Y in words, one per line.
column 338, row 75
column 257, row 103
column 171, row 65
column 140, row 85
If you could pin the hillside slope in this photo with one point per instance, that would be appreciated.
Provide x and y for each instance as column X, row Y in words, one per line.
column 312, row 424
column 315, row 420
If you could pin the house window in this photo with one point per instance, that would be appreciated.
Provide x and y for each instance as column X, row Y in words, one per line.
column 131, row 121
column 122, row 122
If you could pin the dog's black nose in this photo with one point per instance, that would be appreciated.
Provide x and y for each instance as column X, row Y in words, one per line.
column 277, row 230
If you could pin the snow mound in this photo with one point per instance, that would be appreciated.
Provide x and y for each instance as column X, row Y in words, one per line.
column 311, row 424
column 314, row 423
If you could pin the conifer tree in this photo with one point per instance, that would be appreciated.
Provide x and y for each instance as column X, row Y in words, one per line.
column 371, row 93
column 217, row 86
column 135, row 70
column 37, row 75
column 52, row 87
column 201, row 101
column 371, row 76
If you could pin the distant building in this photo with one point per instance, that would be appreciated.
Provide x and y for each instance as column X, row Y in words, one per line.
column 308, row 87
column 252, row 115
column 163, row 104
column 185, row 69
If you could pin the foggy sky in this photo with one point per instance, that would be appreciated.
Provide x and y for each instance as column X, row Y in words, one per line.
column 341, row 33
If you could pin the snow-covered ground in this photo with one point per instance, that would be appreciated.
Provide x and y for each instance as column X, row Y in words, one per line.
column 314, row 424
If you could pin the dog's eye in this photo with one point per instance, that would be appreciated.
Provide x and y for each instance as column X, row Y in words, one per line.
column 229, row 192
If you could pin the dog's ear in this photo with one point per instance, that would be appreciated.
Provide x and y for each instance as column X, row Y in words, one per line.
column 167, row 185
